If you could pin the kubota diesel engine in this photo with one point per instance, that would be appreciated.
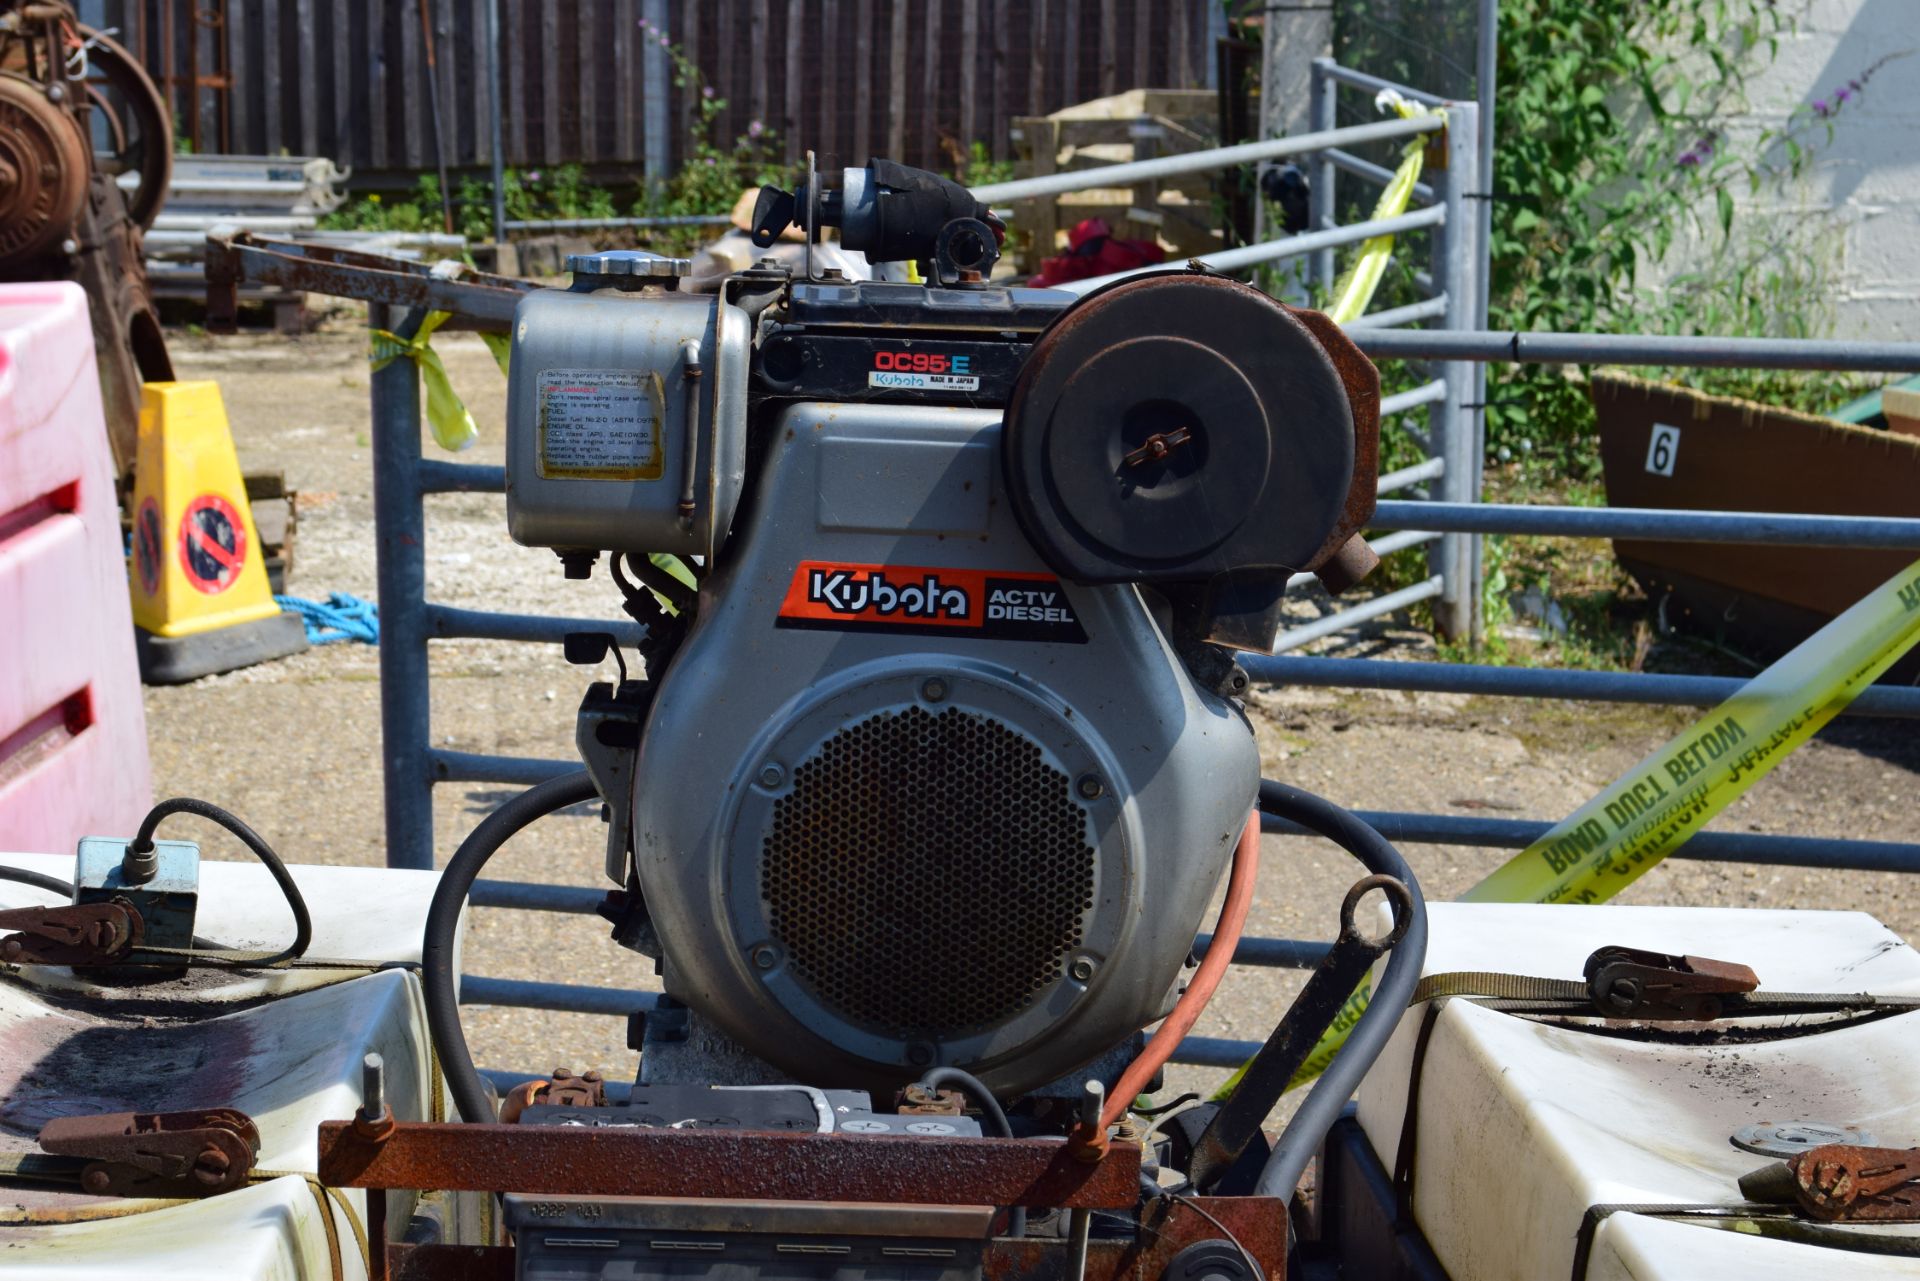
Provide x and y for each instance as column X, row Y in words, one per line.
column 937, row 759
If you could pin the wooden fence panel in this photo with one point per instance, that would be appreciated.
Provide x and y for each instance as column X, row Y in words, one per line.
column 920, row 79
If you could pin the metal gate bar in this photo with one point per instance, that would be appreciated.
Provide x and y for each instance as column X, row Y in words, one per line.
column 1677, row 351
column 1541, row 682
column 1767, row 529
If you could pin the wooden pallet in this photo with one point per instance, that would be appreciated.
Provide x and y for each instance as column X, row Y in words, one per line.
column 1138, row 125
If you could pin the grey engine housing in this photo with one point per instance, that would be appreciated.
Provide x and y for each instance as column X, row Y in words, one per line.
column 871, row 847
column 918, row 783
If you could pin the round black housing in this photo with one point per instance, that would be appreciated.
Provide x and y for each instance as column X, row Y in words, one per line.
column 1175, row 428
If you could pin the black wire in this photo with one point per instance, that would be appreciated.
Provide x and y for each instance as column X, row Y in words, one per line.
column 974, row 1088
column 1165, row 1108
column 39, row 880
column 443, row 926
column 642, row 605
column 302, row 922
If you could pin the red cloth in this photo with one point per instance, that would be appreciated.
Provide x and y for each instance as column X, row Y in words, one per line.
column 1093, row 250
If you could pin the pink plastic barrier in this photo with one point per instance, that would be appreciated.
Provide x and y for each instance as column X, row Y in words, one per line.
column 73, row 733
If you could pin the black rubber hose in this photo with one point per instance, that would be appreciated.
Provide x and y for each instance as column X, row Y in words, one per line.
column 1308, row 1129
column 39, row 880
column 302, row 922
column 974, row 1088
column 443, row 924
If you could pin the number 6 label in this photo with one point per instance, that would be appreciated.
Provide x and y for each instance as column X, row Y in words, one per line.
column 1662, row 449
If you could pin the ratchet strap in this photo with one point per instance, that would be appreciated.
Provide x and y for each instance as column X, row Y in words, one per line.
column 1526, row 994
column 36, row 1167
column 1613, row 839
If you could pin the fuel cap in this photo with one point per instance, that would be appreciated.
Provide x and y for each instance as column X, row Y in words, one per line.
column 625, row 268
column 1791, row 1138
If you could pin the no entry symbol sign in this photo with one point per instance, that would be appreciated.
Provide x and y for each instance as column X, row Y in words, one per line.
column 146, row 546
column 213, row 543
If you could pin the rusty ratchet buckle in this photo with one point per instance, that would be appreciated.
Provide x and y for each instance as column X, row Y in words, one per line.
column 1627, row 983
column 1840, row 1182
column 81, row 934
column 158, row 1154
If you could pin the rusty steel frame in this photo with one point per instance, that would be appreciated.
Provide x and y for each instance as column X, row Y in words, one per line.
column 731, row 1164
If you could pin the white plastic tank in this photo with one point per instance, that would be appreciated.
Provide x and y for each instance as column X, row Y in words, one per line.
column 1522, row 1126
column 285, row 1047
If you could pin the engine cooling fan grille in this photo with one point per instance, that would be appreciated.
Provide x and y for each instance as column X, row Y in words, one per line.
column 927, row 874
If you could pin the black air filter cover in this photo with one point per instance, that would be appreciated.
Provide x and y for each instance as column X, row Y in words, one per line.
column 1181, row 427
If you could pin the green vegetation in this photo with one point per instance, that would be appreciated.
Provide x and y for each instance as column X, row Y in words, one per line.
column 1616, row 161
column 1614, row 147
column 709, row 181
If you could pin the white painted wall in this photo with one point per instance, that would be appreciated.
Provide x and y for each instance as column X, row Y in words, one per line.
column 1860, row 196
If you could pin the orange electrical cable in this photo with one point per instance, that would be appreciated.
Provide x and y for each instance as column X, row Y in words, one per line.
column 1186, row 1012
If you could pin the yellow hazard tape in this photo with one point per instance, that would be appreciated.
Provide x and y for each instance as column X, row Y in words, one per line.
column 1361, row 280
column 447, row 414
column 1650, row 811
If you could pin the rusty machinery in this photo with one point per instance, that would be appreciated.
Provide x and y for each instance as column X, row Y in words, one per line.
column 932, row 760
column 86, row 147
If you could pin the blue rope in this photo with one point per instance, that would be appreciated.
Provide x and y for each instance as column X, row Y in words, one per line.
column 340, row 617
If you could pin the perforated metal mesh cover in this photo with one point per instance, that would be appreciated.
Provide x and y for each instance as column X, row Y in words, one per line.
column 927, row 873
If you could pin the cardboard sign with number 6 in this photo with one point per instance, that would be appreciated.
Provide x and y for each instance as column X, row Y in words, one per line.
column 1663, row 449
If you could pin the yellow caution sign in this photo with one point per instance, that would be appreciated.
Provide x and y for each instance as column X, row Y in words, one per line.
column 200, row 598
column 1612, row 840
column 197, row 564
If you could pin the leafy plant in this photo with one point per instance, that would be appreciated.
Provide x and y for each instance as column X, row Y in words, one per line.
column 715, row 171
column 1613, row 159
column 1616, row 164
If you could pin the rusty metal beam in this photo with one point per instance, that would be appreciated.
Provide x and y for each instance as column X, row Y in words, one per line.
column 727, row 1163
column 242, row 258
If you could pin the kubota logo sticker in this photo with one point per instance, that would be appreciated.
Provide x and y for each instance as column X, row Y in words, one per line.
column 920, row 599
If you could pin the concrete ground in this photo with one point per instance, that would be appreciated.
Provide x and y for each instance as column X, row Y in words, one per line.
column 293, row 746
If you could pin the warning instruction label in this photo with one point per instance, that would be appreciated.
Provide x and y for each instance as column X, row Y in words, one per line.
column 601, row 424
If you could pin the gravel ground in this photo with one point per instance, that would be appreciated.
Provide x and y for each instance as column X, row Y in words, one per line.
column 292, row 746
